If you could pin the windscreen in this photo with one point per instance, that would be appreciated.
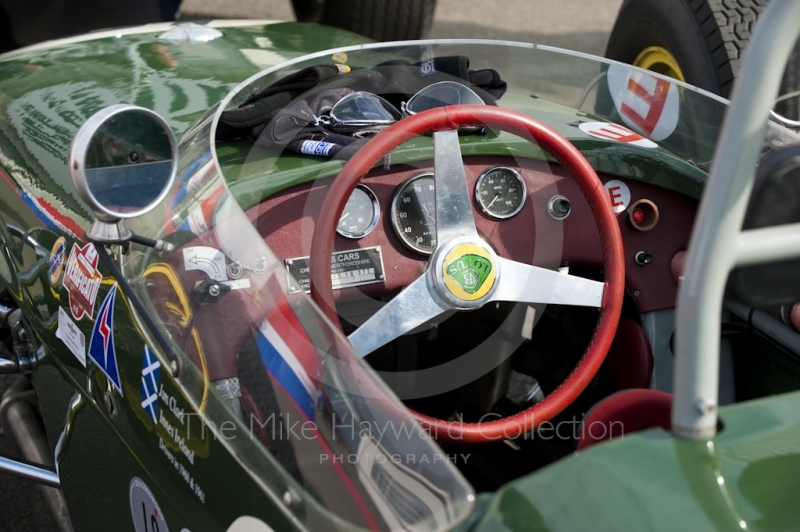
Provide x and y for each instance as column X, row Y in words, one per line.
column 260, row 353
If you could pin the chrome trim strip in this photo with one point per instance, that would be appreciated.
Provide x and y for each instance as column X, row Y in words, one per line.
column 29, row 472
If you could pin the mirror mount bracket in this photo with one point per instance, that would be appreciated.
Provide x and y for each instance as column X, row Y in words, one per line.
column 109, row 232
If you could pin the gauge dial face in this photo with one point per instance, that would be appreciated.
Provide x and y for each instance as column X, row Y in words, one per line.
column 500, row 192
column 360, row 214
column 414, row 215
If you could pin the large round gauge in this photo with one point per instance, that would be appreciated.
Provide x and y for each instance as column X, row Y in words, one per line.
column 500, row 192
column 360, row 215
column 414, row 215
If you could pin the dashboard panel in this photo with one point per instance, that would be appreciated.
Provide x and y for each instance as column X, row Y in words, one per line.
column 532, row 235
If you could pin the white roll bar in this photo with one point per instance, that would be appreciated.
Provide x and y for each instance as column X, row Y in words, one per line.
column 714, row 248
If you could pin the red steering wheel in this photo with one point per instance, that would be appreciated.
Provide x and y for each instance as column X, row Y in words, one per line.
column 464, row 272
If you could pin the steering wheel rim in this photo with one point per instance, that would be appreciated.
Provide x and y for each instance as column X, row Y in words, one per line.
column 450, row 118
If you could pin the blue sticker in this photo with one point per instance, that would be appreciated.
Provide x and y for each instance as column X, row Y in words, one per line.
column 151, row 367
column 316, row 147
column 101, row 346
column 427, row 67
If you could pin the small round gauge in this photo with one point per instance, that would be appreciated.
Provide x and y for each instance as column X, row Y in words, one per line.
column 414, row 215
column 360, row 215
column 500, row 192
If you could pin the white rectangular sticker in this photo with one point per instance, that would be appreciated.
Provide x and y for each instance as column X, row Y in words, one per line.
column 69, row 333
column 204, row 258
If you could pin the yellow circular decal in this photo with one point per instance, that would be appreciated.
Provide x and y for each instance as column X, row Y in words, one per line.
column 469, row 272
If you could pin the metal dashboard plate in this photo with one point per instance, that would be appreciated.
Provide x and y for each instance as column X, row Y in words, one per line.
column 349, row 268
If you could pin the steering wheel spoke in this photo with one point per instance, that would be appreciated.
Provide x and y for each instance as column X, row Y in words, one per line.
column 454, row 216
column 411, row 308
column 533, row 284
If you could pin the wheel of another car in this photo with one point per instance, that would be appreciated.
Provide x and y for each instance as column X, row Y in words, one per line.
column 697, row 41
column 382, row 20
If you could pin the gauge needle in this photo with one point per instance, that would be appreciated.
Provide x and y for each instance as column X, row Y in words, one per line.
column 425, row 206
column 343, row 217
column 490, row 203
column 427, row 213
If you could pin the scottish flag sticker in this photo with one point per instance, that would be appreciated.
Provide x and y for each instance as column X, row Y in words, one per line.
column 101, row 346
column 151, row 367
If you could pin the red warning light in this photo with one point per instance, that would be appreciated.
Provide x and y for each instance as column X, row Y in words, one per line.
column 643, row 215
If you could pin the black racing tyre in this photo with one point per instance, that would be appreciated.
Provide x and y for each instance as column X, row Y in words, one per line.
column 6, row 40
column 382, row 20
column 705, row 37
column 790, row 106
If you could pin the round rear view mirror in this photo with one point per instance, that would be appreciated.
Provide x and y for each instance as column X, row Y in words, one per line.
column 123, row 162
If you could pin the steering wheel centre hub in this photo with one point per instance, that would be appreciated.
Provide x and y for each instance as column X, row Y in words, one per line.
column 465, row 274
column 469, row 272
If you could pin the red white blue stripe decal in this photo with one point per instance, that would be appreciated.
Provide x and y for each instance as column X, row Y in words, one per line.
column 51, row 217
column 44, row 211
column 294, row 363
column 290, row 357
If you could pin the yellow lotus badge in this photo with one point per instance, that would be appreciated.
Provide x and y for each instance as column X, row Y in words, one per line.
column 469, row 272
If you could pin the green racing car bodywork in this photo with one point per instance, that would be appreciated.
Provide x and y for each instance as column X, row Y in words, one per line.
column 110, row 453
